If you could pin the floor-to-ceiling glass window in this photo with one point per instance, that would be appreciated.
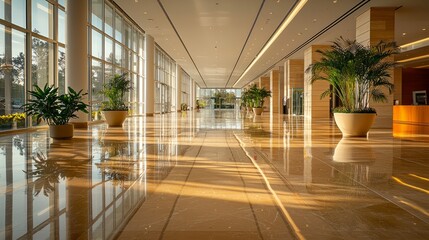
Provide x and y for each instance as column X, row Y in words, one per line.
column 165, row 80
column 219, row 98
column 117, row 46
column 186, row 88
column 32, row 52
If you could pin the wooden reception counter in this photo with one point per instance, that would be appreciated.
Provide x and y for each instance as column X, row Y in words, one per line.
column 409, row 119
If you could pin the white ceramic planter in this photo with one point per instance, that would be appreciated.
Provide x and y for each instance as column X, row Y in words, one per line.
column 354, row 124
column 115, row 118
column 61, row 131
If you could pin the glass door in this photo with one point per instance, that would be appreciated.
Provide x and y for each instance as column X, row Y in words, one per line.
column 297, row 104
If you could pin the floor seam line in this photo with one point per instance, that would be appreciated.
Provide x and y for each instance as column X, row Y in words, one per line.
column 181, row 189
column 247, row 196
column 292, row 224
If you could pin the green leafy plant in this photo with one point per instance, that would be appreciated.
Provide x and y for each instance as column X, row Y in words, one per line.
column 258, row 95
column 184, row 107
column 45, row 104
column 246, row 98
column 48, row 172
column 115, row 91
column 356, row 73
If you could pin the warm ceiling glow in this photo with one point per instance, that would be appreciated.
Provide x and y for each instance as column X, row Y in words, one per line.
column 414, row 43
column 413, row 59
column 273, row 38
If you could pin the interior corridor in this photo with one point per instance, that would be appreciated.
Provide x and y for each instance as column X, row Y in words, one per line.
column 214, row 174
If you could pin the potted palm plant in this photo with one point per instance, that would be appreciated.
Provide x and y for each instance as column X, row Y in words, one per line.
column 114, row 109
column 357, row 75
column 56, row 110
column 246, row 100
column 258, row 96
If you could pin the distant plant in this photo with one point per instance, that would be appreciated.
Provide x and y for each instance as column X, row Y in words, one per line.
column 115, row 91
column 258, row 95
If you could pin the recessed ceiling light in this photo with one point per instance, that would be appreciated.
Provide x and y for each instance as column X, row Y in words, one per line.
column 299, row 34
column 305, row 29
column 144, row 13
column 293, row 40
column 334, row 1
column 262, row 28
column 314, row 20
column 287, row 45
column 404, row 33
column 271, row 13
column 423, row 29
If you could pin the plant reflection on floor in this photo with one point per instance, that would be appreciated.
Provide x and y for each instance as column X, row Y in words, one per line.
column 117, row 163
column 49, row 172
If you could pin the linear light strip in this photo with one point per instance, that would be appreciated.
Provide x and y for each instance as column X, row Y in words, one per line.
column 273, row 38
column 413, row 59
column 414, row 43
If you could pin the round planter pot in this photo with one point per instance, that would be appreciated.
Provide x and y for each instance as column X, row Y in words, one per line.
column 61, row 131
column 354, row 124
column 115, row 118
column 258, row 111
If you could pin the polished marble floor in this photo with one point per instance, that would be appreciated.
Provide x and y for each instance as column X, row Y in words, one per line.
column 214, row 174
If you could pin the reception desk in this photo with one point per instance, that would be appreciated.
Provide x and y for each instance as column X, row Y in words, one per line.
column 409, row 120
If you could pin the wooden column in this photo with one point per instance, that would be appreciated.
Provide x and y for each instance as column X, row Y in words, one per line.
column 314, row 107
column 275, row 91
column 375, row 25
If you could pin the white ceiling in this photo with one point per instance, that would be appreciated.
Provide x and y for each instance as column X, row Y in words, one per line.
column 214, row 41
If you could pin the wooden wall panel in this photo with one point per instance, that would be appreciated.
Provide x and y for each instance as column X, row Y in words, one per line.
column 275, row 91
column 413, row 80
column 397, row 92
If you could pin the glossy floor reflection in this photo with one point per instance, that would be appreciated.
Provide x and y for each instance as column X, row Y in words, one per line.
column 214, row 174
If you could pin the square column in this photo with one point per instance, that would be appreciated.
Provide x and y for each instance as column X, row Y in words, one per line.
column 375, row 25
column 150, row 76
column 77, row 52
column 276, row 91
column 314, row 107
